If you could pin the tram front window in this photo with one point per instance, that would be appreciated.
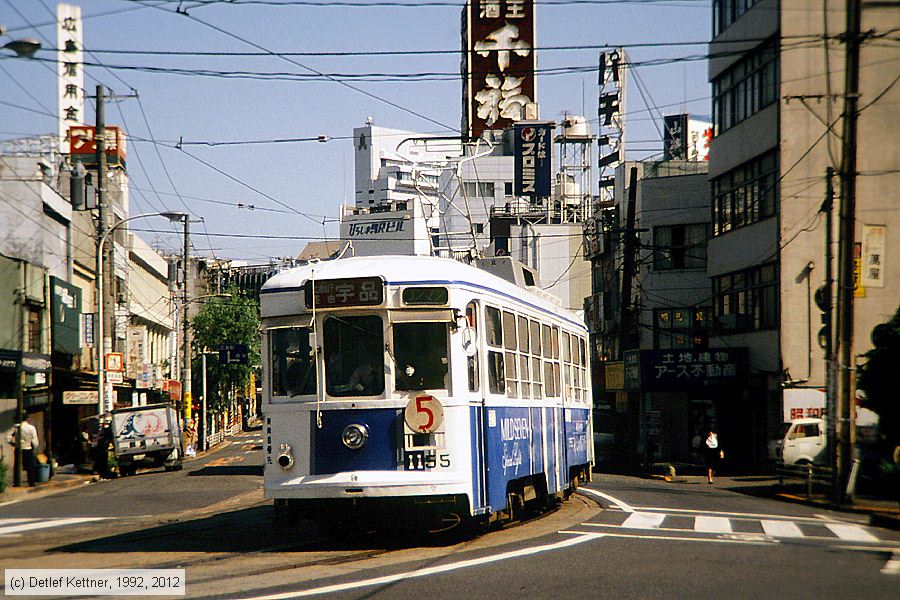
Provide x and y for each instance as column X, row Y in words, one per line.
column 293, row 362
column 421, row 353
column 354, row 356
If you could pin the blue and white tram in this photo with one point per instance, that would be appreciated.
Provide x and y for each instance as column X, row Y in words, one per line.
column 422, row 384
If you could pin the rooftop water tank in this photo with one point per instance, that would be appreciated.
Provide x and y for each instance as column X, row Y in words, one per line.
column 576, row 126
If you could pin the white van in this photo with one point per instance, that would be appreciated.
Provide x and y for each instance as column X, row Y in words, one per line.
column 800, row 441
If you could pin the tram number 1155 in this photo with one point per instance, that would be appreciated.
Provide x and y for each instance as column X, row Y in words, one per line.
column 419, row 460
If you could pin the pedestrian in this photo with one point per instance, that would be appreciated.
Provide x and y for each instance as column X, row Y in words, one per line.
column 712, row 453
column 29, row 446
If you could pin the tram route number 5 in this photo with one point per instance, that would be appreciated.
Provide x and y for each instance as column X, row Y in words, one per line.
column 423, row 414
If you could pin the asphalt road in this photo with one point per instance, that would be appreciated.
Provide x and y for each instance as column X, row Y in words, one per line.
column 621, row 537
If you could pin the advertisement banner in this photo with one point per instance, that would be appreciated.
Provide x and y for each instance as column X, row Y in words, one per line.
column 499, row 84
column 69, row 71
column 65, row 321
column 533, row 152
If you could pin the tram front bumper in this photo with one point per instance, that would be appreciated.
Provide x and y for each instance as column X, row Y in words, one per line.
column 367, row 484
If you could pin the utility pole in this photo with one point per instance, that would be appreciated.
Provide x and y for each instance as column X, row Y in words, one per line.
column 827, row 306
column 847, row 239
column 104, row 320
column 186, row 338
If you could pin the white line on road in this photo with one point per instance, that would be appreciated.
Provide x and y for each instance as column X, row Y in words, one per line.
column 784, row 529
column 892, row 567
column 620, row 504
column 712, row 524
column 733, row 514
column 682, row 539
column 340, row 587
column 44, row 524
column 638, row 520
column 852, row 533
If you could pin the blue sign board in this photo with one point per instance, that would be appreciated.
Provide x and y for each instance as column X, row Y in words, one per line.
column 233, row 354
column 533, row 153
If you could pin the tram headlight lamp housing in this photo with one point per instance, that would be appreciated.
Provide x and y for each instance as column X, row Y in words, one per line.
column 355, row 436
column 285, row 457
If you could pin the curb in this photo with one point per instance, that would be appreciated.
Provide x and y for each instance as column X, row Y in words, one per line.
column 13, row 494
column 886, row 520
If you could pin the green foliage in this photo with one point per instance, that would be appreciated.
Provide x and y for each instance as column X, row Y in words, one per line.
column 2, row 474
column 232, row 320
column 879, row 378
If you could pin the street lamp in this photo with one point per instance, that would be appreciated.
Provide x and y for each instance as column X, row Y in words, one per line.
column 25, row 48
column 101, row 342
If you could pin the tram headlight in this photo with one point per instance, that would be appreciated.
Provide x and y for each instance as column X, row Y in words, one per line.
column 285, row 457
column 355, row 436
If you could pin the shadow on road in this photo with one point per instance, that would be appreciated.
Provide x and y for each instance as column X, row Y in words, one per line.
column 254, row 529
column 254, row 470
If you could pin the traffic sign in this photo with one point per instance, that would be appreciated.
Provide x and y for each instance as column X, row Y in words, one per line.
column 233, row 354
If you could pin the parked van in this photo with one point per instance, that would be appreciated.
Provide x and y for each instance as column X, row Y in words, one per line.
column 800, row 441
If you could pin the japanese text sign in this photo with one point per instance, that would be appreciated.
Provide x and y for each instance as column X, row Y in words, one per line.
column 533, row 152
column 683, row 369
column 499, row 83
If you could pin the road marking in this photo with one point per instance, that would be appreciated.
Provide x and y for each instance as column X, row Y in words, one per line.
column 225, row 460
column 892, row 567
column 341, row 587
column 683, row 539
column 732, row 514
column 712, row 524
column 620, row 504
column 43, row 524
column 786, row 529
column 853, row 533
column 638, row 520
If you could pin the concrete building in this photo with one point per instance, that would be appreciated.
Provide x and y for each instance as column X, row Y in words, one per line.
column 653, row 390
column 778, row 94
column 435, row 196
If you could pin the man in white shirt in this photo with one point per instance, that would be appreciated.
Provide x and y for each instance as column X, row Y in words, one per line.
column 30, row 445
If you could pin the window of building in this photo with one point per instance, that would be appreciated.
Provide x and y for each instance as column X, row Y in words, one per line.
column 679, row 247
column 507, row 188
column 746, row 88
column 675, row 328
column 746, row 300
column 479, row 189
column 34, row 330
column 745, row 195
column 726, row 12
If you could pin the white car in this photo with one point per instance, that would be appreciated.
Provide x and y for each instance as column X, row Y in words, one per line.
column 800, row 441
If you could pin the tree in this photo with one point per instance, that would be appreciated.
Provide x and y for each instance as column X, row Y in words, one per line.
column 232, row 320
column 879, row 378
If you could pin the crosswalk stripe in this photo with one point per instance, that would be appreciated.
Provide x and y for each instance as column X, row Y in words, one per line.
column 7, row 522
column 781, row 528
column 712, row 524
column 638, row 520
column 45, row 524
column 854, row 533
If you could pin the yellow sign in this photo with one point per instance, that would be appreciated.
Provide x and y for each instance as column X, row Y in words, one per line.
column 858, row 290
column 614, row 375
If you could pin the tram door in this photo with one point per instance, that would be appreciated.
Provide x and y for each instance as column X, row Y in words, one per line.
column 471, row 345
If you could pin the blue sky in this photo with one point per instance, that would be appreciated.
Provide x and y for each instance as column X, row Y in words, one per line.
column 313, row 177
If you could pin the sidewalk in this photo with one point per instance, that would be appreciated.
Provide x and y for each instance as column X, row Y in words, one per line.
column 882, row 511
column 59, row 482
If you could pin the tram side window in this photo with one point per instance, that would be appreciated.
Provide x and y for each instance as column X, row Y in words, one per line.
column 472, row 361
column 537, row 386
column 420, row 350
column 494, row 333
column 354, row 356
column 293, row 362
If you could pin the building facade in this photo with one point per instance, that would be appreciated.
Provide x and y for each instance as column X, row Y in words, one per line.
column 777, row 75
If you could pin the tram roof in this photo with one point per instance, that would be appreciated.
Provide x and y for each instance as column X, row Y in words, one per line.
column 410, row 270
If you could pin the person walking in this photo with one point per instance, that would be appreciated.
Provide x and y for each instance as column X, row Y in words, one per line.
column 712, row 453
column 29, row 446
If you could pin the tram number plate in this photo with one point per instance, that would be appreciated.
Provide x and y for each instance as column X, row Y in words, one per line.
column 419, row 460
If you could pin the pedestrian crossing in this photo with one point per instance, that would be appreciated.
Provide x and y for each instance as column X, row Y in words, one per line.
column 731, row 525
column 16, row 527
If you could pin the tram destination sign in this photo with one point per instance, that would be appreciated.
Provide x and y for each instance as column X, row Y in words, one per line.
column 338, row 293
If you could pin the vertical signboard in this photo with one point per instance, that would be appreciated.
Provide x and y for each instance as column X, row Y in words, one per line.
column 873, row 256
column 70, row 70
column 65, row 321
column 675, row 138
column 136, row 352
column 533, row 152
column 611, row 116
column 499, row 84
